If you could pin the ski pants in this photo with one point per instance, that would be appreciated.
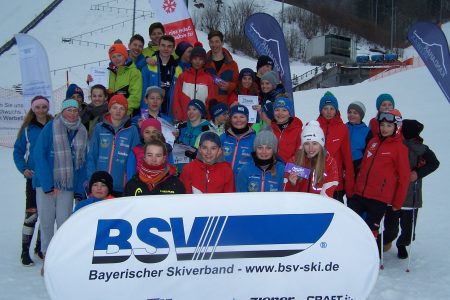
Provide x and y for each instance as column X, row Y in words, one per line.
column 52, row 209
column 374, row 210
column 404, row 218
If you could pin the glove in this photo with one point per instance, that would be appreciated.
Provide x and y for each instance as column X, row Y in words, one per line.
column 191, row 154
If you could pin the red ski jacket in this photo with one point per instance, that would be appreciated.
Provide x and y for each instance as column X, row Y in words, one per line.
column 327, row 187
column 191, row 84
column 229, row 72
column 374, row 126
column 385, row 172
column 337, row 143
column 199, row 177
column 289, row 139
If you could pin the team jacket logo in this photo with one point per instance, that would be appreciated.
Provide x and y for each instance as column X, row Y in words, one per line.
column 214, row 237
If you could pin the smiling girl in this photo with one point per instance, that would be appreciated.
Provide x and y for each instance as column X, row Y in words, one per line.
column 323, row 178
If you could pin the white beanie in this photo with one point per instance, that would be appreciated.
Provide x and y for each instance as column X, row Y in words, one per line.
column 312, row 132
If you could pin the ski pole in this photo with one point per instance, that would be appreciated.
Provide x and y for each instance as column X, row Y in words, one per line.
column 413, row 225
column 381, row 244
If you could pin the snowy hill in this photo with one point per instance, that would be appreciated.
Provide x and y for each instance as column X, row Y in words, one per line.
column 415, row 92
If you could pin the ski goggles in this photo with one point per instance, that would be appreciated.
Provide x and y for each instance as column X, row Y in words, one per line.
column 385, row 116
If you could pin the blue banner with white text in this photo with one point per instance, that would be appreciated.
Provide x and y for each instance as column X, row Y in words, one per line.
column 431, row 44
column 267, row 38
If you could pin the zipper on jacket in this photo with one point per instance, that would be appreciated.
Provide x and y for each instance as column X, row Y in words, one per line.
column 235, row 152
column 370, row 168
column 195, row 85
column 263, row 180
column 207, row 180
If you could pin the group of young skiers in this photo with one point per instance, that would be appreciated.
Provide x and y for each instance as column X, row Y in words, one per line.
column 170, row 122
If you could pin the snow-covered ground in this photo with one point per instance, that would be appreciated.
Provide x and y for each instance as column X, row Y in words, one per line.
column 415, row 92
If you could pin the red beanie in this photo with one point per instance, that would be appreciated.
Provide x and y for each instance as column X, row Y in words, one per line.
column 118, row 48
column 150, row 122
column 119, row 99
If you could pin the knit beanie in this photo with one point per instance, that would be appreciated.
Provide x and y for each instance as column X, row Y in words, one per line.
column 118, row 48
column 411, row 128
column 272, row 77
column 101, row 176
column 198, row 51
column 239, row 109
column 328, row 99
column 69, row 103
column 359, row 107
column 382, row 98
column 266, row 137
column 155, row 89
column 210, row 136
column 39, row 100
column 74, row 89
column 198, row 105
column 151, row 122
column 264, row 60
column 218, row 109
column 247, row 72
column 119, row 99
column 181, row 48
column 312, row 132
column 283, row 102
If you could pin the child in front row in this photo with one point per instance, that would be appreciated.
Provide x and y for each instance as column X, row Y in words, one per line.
column 312, row 155
column 208, row 173
column 100, row 188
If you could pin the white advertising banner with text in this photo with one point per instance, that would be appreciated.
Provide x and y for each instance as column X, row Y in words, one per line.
column 240, row 246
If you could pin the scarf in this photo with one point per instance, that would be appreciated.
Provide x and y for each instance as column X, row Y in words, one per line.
column 152, row 175
column 67, row 156
column 239, row 132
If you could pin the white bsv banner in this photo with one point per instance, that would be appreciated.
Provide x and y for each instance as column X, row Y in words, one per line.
column 34, row 69
column 243, row 246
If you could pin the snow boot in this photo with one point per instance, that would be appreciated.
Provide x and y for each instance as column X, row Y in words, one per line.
column 387, row 247
column 37, row 248
column 402, row 252
column 25, row 257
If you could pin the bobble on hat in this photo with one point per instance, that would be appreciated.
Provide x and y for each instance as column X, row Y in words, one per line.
column 118, row 99
column 101, row 176
column 266, row 137
column 312, row 132
column 118, row 48
column 384, row 97
column 198, row 51
column 359, row 107
column 150, row 122
column 328, row 99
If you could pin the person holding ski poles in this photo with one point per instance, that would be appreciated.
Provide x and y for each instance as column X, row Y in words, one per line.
column 423, row 162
